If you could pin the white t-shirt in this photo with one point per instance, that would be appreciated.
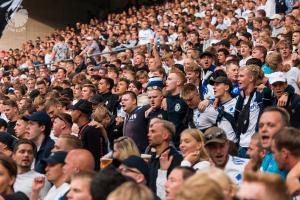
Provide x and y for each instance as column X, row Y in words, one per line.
column 229, row 107
column 145, row 36
column 24, row 183
column 55, row 193
column 254, row 113
column 292, row 76
column 235, row 168
column 206, row 119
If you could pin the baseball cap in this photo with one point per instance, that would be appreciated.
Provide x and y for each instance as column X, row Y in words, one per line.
column 277, row 77
column 222, row 79
column 215, row 135
column 83, row 106
column 276, row 16
column 8, row 140
column 207, row 53
column 3, row 123
column 138, row 163
column 89, row 38
column 41, row 117
column 56, row 157
column 155, row 81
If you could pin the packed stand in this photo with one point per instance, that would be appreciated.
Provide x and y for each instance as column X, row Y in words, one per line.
column 180, row 101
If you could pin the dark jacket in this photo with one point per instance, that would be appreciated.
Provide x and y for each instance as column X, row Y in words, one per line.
column 43, row 153
column 154, row 165
column 293, row 107
column 110, row 100
column 92, row 139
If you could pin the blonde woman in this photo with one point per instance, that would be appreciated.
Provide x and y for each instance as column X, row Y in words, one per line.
column 193, row 150
column 124, row 147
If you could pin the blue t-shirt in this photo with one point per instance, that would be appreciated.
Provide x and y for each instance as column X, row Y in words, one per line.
column 269, row 165
column 266, row 69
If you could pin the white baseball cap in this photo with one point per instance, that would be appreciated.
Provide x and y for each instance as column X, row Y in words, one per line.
column 276, row 16
column 277, row 77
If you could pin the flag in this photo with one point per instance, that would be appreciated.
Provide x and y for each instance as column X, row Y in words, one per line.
column 7, row 9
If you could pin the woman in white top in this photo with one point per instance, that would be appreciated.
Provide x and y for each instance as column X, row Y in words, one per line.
column 193, row 150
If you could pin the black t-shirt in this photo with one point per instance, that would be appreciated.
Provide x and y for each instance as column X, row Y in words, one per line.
column 92, row 139
column 16, row 196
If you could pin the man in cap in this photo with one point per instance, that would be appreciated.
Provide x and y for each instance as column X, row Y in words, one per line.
column 136, row 168
column 207, row 70
column 39, row 128
column 7, row 143
column 276, row 24
column 217, row 146
column 279, row 85
column 226, row 108
column 62, row 124
column 92, row 138
column 54, row 173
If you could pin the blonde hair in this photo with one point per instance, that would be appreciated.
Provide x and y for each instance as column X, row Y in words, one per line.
column 131, row 191
column 126, row 146
column 218, row 175
column 199, row 187
column 198, row 136
column 99, row 113
column 273, row 60
column 255, row 72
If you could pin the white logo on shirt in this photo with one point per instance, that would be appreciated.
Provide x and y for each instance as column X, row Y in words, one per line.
column 177, row 107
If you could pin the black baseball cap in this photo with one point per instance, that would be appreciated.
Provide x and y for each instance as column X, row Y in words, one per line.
column 83, row 106
column 56, row 157
column 138, row 163
column 41, row 117
column 207, row 53
column 222, row 79
column 8, row 140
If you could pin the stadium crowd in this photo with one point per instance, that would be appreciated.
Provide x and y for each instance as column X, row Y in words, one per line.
column 180, row 100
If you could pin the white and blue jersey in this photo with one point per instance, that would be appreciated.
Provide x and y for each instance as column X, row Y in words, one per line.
column 235, row 168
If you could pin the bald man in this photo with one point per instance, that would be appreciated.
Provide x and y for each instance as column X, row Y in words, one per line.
column 78, row 160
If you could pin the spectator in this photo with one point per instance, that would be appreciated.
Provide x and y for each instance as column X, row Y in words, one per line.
column 272, row 120
column 261, row 185
column 105, row 182
column 54, row 169
column 21, row 129
column 200, row 188
column 92, row 138
column 11, row 112
column 124, row 147
column 165, row 157
column 23, row 155
column 67, row 142
column 80, row 186
column 136, row 168
column 9, row 173
column 39, row 127
column 131, row 191
column 62, row 124
column 217, row 146
column 135, row 123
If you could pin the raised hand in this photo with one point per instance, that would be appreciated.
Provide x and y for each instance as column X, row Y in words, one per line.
column 165, row 161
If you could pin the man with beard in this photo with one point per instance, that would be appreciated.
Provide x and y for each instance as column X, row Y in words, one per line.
column 159, row 135
column 23, row 155
column 217, row 146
